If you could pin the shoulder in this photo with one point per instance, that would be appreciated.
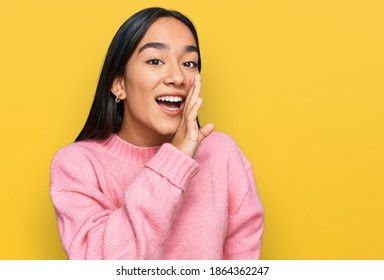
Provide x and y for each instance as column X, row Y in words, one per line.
column 78, row 157
column 221, row 145
column 75, row 164
column 77, row 150
column 220, row 140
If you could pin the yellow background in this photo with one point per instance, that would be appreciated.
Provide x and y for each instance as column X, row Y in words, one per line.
column 299, row 85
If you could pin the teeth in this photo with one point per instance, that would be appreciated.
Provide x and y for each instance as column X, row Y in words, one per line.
column 170, row 98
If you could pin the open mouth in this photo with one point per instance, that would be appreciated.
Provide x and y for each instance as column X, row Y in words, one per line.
column 170, row 103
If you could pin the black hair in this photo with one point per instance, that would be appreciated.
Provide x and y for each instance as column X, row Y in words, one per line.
column 105, row 116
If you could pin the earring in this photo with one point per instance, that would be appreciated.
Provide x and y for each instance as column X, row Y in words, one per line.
column 117, row 100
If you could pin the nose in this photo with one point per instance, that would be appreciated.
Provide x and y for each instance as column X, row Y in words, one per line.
column 175, row 75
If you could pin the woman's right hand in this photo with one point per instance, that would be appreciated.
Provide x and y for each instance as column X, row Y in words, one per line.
column 189, row 136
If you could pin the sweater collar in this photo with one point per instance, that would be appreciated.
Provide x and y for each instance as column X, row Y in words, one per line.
column 124, row 151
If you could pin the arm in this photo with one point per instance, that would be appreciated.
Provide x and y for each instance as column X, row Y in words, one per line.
column 246, row 221
column 93, row 227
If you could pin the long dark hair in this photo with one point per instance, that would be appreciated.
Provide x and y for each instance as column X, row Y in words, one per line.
column 105, row 116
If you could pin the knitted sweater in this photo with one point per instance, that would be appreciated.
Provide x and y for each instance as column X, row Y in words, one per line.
column 114, row 200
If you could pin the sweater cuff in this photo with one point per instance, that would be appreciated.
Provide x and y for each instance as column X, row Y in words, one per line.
column 174, row 165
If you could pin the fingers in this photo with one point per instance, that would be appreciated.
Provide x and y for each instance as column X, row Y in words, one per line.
column 191, row 124
column 193, row 94
column 196, row 91
column 188, row 136
column 192, row 106
column 188, row 97
column 205, row 131
column 192, row 115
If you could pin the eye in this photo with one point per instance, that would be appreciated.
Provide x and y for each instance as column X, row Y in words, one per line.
column 154, row 62
column 190, row 64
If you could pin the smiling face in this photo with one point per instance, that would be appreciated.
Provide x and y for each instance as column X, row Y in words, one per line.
column 157, row 79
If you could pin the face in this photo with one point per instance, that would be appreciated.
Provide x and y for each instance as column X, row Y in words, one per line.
column 157, row 79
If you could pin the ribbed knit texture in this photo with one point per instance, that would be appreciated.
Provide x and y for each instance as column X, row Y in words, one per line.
column 114, row 200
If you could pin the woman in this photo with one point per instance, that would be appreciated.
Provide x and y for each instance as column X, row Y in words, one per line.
column 143, row 180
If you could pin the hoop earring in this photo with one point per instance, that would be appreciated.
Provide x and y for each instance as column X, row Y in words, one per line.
column 117, row 100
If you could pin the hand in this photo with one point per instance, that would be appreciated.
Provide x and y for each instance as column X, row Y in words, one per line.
column 188, row 136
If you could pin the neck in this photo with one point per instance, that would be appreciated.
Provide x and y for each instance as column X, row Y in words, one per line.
column 144, row 139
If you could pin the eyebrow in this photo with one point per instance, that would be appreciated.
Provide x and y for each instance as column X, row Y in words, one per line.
column 191, row 48
column 161, row 46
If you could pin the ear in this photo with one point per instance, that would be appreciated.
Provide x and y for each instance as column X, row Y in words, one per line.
column 118, row 87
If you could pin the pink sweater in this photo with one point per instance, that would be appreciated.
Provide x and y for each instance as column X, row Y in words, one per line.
column 114, row 200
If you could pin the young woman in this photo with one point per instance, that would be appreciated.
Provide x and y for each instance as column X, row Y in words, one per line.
column 143, row 180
